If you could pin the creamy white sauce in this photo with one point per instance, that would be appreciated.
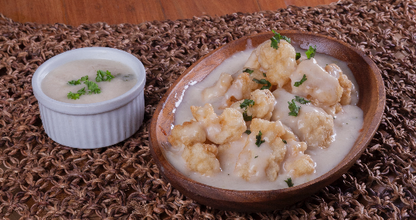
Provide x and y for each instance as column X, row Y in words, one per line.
column 55, row 85
column 346, row 130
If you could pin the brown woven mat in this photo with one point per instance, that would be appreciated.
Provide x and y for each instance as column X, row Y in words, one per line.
column 40, row 178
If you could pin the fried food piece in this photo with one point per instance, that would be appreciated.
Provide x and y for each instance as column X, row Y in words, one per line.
column 274, row 162
column 202, row 158
column 326, row 94
column 298, row 163
column 278, row 63
column 316, row 129
column 270, row 129
column 187, row 134
column 241, row 88
column 346, row 84
column 301, row 165
column 263, row 104
column 289, row 135
column 343, row 80
column 256, row 162
column 312, row 125
column 252, row 62
column 219, row 88
column 227, row 127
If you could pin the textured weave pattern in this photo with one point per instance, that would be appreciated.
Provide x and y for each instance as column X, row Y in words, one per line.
column 40, row 178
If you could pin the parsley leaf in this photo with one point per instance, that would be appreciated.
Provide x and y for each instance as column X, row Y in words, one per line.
column 103, row 76
column 74, row 82
column 294, row 109
column 249, row 71
column 298, row 56
column 264, row 74
column 244, row 105
column 259, row 141
column 310, row 52
column 284, row 141
column 289, row 182
column 84, row 78
column 298, row 83
column 92, row 87
column 301, row 100
column 73, row 96
column 276, row 40
column 247, row 103
column 256, row 156
column 247, row 132
column 266, row 84
column 77, row 82
column 246, row 117
column 81, row 91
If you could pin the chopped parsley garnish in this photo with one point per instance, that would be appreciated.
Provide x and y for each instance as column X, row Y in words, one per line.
column 74, row 96
column 92, row 87
column 264, row 74
column 249, row 71
column 298, row 83
column 247, row 132
column 294, row 109
column 81, row 91
column 276, row 40
column 289, row 182
column 77, row 82
column 310, row 52
column 259, row 141
column 256, row 156
column 247, row 117
column 301, row 100
column 103, row 76
column 284, row 141
column 266, row 84
column 74, row 82
column 246, row 103
column 298, row 56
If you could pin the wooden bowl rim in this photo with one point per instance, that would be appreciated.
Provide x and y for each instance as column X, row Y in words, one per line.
column 342, row 166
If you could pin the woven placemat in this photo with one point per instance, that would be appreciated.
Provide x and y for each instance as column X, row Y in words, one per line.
column 42, row 179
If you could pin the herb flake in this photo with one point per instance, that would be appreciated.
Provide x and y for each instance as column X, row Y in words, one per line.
column 294, row 109
column 289, row 182
column 259, row 141
column 284, row 141
column 92, row 87
column 249, row 71
column 78, row 82
column 298, row 83
column 247, row 117
column 311, row 52
column 301, row 100
column 103, row 76
column 247, row 103
column 247, row 131
column 298, row 56
column 266, row 84
column 276, row 40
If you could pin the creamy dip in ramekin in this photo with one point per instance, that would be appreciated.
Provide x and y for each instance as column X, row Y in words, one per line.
column 92, row 125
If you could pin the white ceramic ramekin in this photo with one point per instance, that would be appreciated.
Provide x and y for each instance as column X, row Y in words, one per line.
column 91, row 125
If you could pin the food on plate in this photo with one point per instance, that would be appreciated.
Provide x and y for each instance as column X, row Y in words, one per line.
column 269, row 122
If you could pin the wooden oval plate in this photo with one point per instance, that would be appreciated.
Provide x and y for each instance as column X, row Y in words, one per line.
column 371, row 101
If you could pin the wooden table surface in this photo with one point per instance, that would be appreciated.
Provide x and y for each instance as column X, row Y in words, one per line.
column 75, row 12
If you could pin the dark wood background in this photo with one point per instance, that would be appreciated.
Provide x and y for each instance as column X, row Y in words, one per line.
column 75, row 12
